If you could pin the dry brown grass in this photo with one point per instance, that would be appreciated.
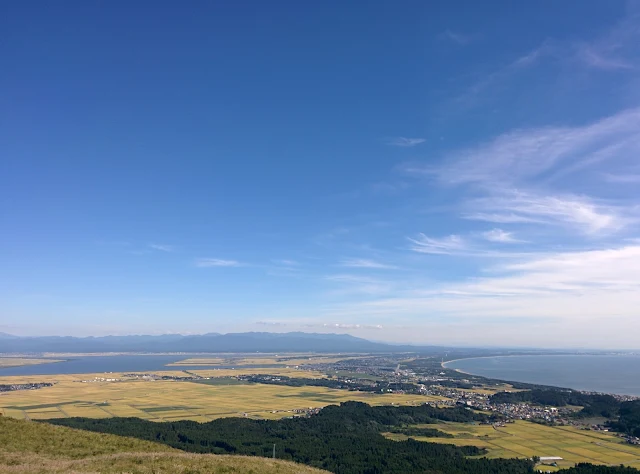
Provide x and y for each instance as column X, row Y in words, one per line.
column 156, row 463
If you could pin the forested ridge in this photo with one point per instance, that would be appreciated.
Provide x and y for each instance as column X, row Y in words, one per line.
column 343, row 439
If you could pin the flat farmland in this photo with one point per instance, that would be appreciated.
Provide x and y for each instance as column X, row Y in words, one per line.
column 6, row 362
column 204, row 372
column 524, row 439
column 281, row 361
column 166, row 400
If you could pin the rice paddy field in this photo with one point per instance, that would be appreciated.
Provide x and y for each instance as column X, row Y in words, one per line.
column 523, row 439
column 167, row 400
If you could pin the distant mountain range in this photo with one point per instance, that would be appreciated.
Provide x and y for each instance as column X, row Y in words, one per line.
column 212, row 342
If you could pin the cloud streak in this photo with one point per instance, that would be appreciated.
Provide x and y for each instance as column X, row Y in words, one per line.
column 562, row 287
column 216, row 262
column 574, row 212
column 516, row 175
column 452, row 244
column 405, row 142
column 500, row 236
column 162, row 247
column 367, row 263
column 454, row 37
column 525, row 154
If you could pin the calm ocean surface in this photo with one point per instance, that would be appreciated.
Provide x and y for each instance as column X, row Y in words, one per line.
column 598, row 373
column 123, row 363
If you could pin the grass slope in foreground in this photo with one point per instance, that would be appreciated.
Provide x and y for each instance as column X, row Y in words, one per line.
column 29, row 447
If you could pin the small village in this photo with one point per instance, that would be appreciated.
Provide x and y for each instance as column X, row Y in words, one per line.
column 24, row 386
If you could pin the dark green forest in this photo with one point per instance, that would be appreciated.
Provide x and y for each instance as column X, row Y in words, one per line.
column 343, row 439
column 629, row 418
column 585, row 468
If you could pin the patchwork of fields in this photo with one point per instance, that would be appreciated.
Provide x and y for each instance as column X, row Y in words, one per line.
column 166, row 400
column 524, row 440
column 114, row 394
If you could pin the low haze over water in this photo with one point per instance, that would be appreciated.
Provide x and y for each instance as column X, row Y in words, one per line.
column 599, row 373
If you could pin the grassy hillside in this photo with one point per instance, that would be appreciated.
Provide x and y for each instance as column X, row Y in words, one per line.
column 29, row 447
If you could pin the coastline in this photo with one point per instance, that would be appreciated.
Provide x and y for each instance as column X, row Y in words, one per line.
column 573, row 375
column 444, row 363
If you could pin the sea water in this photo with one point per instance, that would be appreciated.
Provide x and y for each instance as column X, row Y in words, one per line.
column 618, row 374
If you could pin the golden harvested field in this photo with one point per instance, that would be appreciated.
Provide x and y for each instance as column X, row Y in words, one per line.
column 206, row 372
column 175, row 400
column 20, row 361
column 42, row 448
column 524, row 439
column 272, row 371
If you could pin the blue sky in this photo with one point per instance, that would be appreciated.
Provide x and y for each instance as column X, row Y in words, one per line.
column 428, row 172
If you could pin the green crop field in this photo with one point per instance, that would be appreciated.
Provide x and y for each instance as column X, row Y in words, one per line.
column 523, row 439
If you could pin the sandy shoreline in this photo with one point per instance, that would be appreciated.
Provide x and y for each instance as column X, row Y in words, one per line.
column 444, row 364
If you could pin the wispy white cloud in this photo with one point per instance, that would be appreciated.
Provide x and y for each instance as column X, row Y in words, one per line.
column 359, row 284
column 306, row 324
column 114, row 243
column 503, row 73
column 345, row 326
column 501, row 236
column 500, row 218
column 452, row 244
column 598, row 60
column 616, row 49
column 472, row 245
column 622, row 178
column 561, row 287
column 285, row 268
column 524, row 154
column 216, row 262
column 574, row 212
column 389, row 187
column 405, row 142
column 454, row 37
column 286, row 262
column 367, row 263
column 162, row 247
column 517, row 170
